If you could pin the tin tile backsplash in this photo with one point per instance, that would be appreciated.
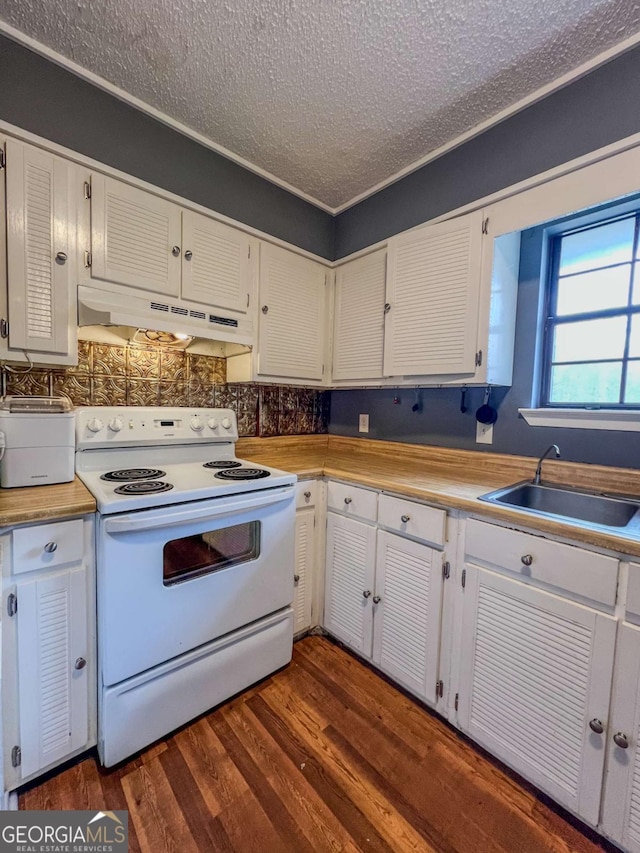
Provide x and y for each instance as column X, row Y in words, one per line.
column 108, row 375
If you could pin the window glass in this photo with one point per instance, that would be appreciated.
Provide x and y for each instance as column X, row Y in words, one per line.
column 194, row 556
column 591, row 383
column 590, row 340
column 632, row 386
column 594, row 291
column 600, row 246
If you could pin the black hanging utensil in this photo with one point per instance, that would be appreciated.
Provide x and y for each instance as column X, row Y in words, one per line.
column 463, row 399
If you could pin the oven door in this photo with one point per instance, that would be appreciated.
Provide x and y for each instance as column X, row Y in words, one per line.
column 173, row 578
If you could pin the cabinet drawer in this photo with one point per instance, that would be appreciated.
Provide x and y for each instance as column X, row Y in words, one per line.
column 47, row 545
column 416, row 520
column 352, row 500
column 306, row 493
column 581, row 572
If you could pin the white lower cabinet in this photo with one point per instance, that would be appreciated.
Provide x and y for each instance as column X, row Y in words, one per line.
column 305, row 556
column 535, row 671
column 48, row 660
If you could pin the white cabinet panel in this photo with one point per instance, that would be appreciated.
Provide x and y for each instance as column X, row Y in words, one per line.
column 621, row 812
column 304, row 562
column 133, row 235
column 408, row 602
column 412, row 519
column 292, row 330
column 215, row 263
column 433, row 285
column 358, row 341
column 39, row 250
column 535, row 670
column 352, row 500
column 53, row 692
column 350, row 561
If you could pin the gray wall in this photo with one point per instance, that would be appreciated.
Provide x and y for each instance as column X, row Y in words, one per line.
column 45, row 99
column 441, row 423
column 592, row 112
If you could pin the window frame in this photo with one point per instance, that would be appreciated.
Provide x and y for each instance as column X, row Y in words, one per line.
column 551, row 320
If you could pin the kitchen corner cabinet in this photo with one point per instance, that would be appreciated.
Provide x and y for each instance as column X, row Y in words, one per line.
column 292, row 322
column 38, row 302
column 48, row 638
column 305, row 555
column 146, row 242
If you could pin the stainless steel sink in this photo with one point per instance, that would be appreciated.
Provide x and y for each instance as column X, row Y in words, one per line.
column 561, row 502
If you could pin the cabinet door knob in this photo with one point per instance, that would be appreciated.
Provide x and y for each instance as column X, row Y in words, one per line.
column 296, row 578
column 387, row 307
column 347, row 501
column 307, row 495
column 175, row 251
column 366, row 593
column 188, row 255
column 61, row 257
column 405, row 518
column 80, row 663
column 620, row 739
column 596, row 726
column 526, row 559
column 265, row 309
column 376, row 599
column 50, row 547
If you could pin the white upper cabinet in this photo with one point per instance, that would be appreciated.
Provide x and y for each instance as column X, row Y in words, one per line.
column 40, row 251
column 292, row 319
column 215, row 263
column 358, row 341
column 135, row 237
column 433, row 288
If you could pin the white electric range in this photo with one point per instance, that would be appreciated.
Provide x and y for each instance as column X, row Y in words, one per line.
column 195, row 566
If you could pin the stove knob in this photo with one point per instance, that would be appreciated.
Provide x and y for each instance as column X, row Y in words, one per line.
column 115, row 424
column 196, row 423
column 212, row 423
column 226, row 423
column 94, row 425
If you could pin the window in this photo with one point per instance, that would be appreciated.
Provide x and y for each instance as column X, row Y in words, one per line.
column 592, row 333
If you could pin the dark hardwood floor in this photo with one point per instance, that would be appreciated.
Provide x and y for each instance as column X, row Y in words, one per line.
column 323, row 756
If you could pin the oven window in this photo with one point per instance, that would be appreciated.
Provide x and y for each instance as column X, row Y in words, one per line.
column 193, row 556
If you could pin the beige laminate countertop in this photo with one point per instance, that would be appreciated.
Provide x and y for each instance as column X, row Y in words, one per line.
column 44, row 503
column 453, row 479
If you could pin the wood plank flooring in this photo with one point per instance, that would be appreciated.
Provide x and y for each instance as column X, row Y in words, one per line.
column 323, row 756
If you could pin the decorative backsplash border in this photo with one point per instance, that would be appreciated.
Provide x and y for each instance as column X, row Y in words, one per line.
column 111, row 375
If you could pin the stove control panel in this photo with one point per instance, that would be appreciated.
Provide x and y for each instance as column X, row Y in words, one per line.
column 126, row 426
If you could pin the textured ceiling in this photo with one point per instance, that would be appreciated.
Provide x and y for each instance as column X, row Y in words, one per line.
column 332, row 96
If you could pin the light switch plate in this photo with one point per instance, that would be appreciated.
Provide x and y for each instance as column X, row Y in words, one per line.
column 484, row 433
column 363, row 423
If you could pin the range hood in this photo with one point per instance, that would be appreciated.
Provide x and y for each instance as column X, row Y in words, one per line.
column 121, row 308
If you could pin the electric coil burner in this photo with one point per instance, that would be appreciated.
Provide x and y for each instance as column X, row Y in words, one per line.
column 194, row 567
column 133, row 474
column 242, row 474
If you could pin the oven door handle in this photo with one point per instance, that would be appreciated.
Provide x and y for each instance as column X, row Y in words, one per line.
column 221, row 508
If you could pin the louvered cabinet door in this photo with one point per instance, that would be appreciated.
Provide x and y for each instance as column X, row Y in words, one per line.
column 406, row 632
column 292, row 318
column 303, row 580
column 133, row 235
column 621, row 812
column 358, row 338
column 39, row 250
column 433, row 289
column 535, row 669
column 53, row 691
column 350, row 562
column 215, row 263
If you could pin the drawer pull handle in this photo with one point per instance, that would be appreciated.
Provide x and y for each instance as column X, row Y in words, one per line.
column 61, row 257
column 526, row 559
column 296, row 578
column 307, row 495
column 621, row 740
column 80, row 663
column 405, row 518
column 347, row 501
column 366, row 593
column 376, row 599
column 50, row 547
column 596, row 726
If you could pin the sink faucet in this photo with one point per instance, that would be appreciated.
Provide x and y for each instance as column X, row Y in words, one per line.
column 537, row 480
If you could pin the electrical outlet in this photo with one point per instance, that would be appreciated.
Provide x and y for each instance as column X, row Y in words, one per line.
column 484, row 433
column 363, row 423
